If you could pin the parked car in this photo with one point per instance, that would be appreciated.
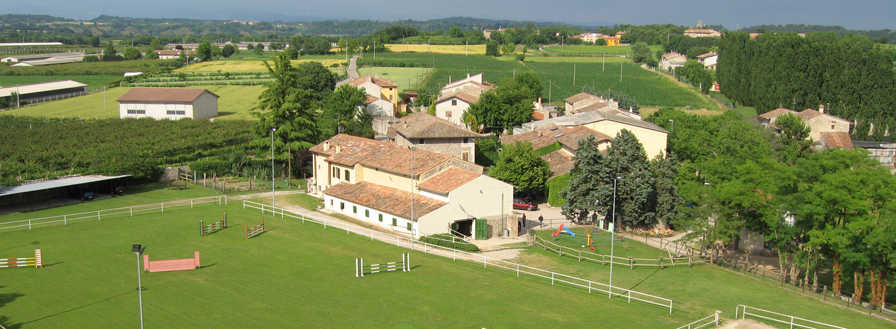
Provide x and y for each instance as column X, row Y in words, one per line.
column 523, row 204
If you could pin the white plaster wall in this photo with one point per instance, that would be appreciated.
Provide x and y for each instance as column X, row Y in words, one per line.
column 205, row 106
column 457, row 111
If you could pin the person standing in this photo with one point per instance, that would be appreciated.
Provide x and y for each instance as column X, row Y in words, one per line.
column 540, row 220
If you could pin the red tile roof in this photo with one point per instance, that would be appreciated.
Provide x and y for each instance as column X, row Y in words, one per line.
column 837, row 140
column 810, row 114
column 578, row 97
column 373, row 153
column 386, row 199
column 424, row 125
column 567, row 136
column 448, row 180
column 775, row 113
column 385, row 83
column 179, row 95
column 560, row 162
column 462, row 95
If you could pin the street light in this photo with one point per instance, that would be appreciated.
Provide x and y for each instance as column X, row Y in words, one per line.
column 273, row 199
column 613, row 236
column 138, row 250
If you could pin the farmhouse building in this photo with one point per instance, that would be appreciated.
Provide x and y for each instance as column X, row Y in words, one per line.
column 427, row 132
column 168, row 103
column 651, row 136
column 379, row 89
column 41, row 92
column 567, row 137
column 585, row 102
column 826, row 129
column 456, row 97
column 172, row 54
column 375, row 182
column 702, row 33
column 709, row 60
column 672, row 60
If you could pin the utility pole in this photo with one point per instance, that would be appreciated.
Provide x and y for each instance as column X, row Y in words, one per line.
column 620, row 71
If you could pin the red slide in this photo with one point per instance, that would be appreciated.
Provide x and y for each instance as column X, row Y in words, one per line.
column 558, row 231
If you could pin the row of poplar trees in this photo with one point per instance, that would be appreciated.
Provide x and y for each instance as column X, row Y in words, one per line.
column 850, row 75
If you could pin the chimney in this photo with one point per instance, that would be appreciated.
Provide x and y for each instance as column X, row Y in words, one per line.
column 631, row 110
column 468, row 75
column 821, row 108
column 338, row 149
column 326, row 146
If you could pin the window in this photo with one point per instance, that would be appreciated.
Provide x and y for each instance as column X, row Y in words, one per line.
column 421, row 142
column 465, row 156
column 453, row 102
column 390, row 96
column 342, row 206
column 410, row 226
column 354, row 209
column 381, row 218
column 394, row 221
column 466, row 140
column 367, row 213
column 347, row 175
column 331, row 202
column 447, row 114
column 832, row 127
column 136, row 111
column 176, row 112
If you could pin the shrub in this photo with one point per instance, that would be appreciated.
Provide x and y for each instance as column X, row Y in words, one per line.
column 445, row 240
column 554, row 186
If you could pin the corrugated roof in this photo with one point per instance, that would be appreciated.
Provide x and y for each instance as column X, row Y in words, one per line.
column 424, row 125
column 386, row 199
column 41, row 87
column 56, row 183
column 448, row 180
column 180, row 95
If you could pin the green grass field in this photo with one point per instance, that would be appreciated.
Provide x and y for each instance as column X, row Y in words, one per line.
column 303, row 273
column 234, row 104
column 588, row 50
column 557, row 59
column 93, row 82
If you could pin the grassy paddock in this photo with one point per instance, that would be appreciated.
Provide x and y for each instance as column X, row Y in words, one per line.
column 294, row 273
column 234, row 104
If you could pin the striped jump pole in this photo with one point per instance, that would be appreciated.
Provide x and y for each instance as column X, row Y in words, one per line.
column 213, row 227
column 256, row 230
column 404, row 265
column 35, row 261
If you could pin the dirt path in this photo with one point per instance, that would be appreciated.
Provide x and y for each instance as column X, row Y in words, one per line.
column 745, row 324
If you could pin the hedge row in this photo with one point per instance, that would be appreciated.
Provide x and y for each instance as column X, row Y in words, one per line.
column 445, row 240
column 554, row 186
column 548, row 149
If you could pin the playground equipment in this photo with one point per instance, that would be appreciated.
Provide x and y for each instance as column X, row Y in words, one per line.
column 171, row 265
column 23, row 261
column 213, row 227
column 572, row 236
column 361, row 269
column 255, row 230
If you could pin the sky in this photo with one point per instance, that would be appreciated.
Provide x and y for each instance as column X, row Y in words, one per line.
column 855, row 14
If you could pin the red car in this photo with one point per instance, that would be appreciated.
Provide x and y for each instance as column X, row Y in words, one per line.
column 523, row 204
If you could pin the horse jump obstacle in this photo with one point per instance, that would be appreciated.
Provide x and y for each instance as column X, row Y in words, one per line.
column 23, row 261
column 360, row 268
column 213, row 227
column 171, row 265
column 255, row 230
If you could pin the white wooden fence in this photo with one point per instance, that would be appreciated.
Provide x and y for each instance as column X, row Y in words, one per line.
column 405, row 242
column 743, row 311
column 109, row 213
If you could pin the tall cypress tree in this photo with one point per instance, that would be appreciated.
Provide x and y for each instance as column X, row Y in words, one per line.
column 626, row 160
column 582, row 194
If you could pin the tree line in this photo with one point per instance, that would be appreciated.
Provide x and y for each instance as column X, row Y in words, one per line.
column 849, row 75
column 832, row 209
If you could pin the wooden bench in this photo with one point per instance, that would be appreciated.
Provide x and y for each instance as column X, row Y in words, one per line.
column 171, row 265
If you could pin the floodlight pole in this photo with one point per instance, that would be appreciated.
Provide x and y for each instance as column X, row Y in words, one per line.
column 273, row 198
column 137, row 251
column 613, row 236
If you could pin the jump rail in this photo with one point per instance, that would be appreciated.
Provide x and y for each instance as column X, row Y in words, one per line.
column 606, row 259
column 35, row 261
column 400, row 241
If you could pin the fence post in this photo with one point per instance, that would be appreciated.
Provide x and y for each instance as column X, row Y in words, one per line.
column 64, row 220
column 98, row 216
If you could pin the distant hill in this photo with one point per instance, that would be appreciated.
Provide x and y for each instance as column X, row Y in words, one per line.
column 30, row 19
column 839, row 30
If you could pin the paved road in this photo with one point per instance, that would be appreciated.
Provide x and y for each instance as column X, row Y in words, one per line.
column 352, row 71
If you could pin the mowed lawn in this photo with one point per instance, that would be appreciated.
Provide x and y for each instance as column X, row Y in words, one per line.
column 234, row 104
column 294, row 275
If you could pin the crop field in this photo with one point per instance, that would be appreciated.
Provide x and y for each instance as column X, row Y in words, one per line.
column 83, row 68
column 303, row 273
column 587, row 50
column 253, row 65
column 649, row 88
column 564, row 59
column 437, row 49
column 234, row 104
column 93, row 82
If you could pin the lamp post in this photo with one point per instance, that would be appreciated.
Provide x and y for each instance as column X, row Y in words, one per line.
column 412, row 185
column 613, row 236
column 138, row 250
column 273, row 199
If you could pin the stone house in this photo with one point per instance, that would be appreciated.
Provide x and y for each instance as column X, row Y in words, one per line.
column 427, row 132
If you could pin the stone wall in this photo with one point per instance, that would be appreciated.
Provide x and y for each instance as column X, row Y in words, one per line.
column 171, row 174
